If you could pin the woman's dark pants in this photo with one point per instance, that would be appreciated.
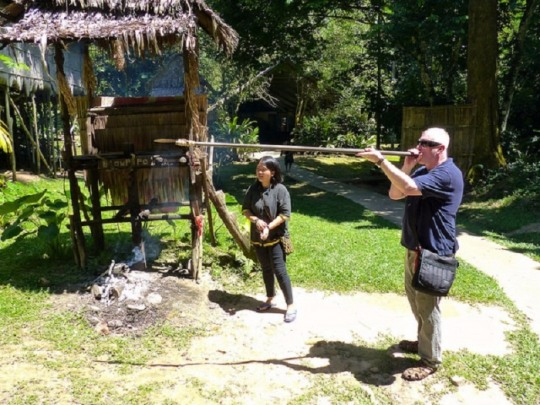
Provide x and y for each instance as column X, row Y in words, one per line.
column 273, row 263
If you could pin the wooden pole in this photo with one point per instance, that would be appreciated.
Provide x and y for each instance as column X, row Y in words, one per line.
column 36, row 135
column 9, row 124
column 29, row 136
column 292, row 148
column 194, row 131
column 79, row 244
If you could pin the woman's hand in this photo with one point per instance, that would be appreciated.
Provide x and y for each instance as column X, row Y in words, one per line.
column 264, row 233
column 260, row 224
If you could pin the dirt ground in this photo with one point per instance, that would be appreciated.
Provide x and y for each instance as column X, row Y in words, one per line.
column 343, row 342
column 339, row 350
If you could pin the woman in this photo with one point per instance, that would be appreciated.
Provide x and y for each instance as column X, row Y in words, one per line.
column 267, row 205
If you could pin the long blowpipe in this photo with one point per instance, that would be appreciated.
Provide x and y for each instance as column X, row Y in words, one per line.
column 293, row 148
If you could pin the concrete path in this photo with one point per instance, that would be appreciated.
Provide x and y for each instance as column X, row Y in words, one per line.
column 518, row 275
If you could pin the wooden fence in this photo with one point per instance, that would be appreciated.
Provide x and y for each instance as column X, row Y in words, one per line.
column 458, row 120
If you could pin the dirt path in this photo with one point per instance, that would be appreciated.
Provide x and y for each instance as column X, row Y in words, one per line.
column 337, row 351
column 337, row 341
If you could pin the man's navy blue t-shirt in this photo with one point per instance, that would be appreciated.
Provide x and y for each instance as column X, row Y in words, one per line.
column 433, row 214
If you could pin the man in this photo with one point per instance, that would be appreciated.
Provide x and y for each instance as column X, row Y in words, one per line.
column 433, row 193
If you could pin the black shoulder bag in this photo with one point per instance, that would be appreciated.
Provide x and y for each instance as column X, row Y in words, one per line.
column 433, row 274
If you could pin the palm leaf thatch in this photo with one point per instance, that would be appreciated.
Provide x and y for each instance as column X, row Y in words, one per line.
column 144, row 26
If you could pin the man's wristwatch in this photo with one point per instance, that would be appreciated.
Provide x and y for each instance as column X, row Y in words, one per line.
column 379, row 162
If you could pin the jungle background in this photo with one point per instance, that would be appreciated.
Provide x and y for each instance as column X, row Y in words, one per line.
column 336, row 74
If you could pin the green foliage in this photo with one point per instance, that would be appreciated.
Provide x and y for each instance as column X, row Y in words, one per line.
column 5, row 139
column 424, row 43
column 12, row 64
column 40, row 214
column 232, row 131
column 520, row 178
column 503, row 206
column 335, row 130
column 134, row 80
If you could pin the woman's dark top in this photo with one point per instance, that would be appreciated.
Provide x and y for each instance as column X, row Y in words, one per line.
column 267, row 204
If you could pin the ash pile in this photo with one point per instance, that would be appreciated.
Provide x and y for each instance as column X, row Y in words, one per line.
column 124, row 300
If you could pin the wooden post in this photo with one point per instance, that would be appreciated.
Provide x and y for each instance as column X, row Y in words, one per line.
column 134, row 206
column 9, row 123
column 218, row 199
column 97, row 227
column 79, row 245
column 36, row 135
column 194, row 130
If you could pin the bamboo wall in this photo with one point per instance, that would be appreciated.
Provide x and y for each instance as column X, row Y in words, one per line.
column 459, row 121
column 130, row 125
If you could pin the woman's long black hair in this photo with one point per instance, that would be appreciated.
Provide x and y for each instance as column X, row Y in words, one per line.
column 273, row 164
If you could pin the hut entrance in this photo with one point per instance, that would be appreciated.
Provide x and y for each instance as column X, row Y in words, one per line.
column 145, row 180
column 458, row 120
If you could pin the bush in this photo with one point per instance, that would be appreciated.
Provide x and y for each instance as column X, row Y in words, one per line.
column 40, row 214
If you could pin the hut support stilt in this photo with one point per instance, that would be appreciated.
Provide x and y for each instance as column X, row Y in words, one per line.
column 97, row 227
column 77, row 235
column 195, row 131
column 9, row 123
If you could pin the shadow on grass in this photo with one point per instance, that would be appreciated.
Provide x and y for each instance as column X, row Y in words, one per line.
column 367, row 365
column 26, row 267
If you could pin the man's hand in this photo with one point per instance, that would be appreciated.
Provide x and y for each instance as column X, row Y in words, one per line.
column 410, row 161
column 371, row 154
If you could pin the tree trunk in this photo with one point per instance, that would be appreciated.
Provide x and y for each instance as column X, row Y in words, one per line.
column 482, row 82
column 517, row 58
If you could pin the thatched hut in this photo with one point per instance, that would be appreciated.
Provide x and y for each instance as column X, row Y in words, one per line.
column 123, row 27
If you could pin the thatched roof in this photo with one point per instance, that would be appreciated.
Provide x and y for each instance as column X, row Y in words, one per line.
column 142, row 25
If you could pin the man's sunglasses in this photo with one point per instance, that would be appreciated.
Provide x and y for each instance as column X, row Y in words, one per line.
column 429, row 144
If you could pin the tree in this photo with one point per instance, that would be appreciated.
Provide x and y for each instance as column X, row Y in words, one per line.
column 516, row 56
column 482, row 82
column 424, row 42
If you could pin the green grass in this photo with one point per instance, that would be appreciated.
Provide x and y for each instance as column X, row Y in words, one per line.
column 339, row 247
column 499, row 219
column 342, row 247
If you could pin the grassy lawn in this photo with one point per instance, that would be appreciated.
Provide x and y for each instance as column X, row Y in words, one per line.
column 339, row 247
column 503, row 220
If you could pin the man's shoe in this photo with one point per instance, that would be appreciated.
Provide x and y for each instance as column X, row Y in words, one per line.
column 418, row 373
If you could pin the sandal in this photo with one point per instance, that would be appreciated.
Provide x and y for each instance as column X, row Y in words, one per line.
column 290, row 316
column 418, row 373
column 409, row 346
column 265, row 307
